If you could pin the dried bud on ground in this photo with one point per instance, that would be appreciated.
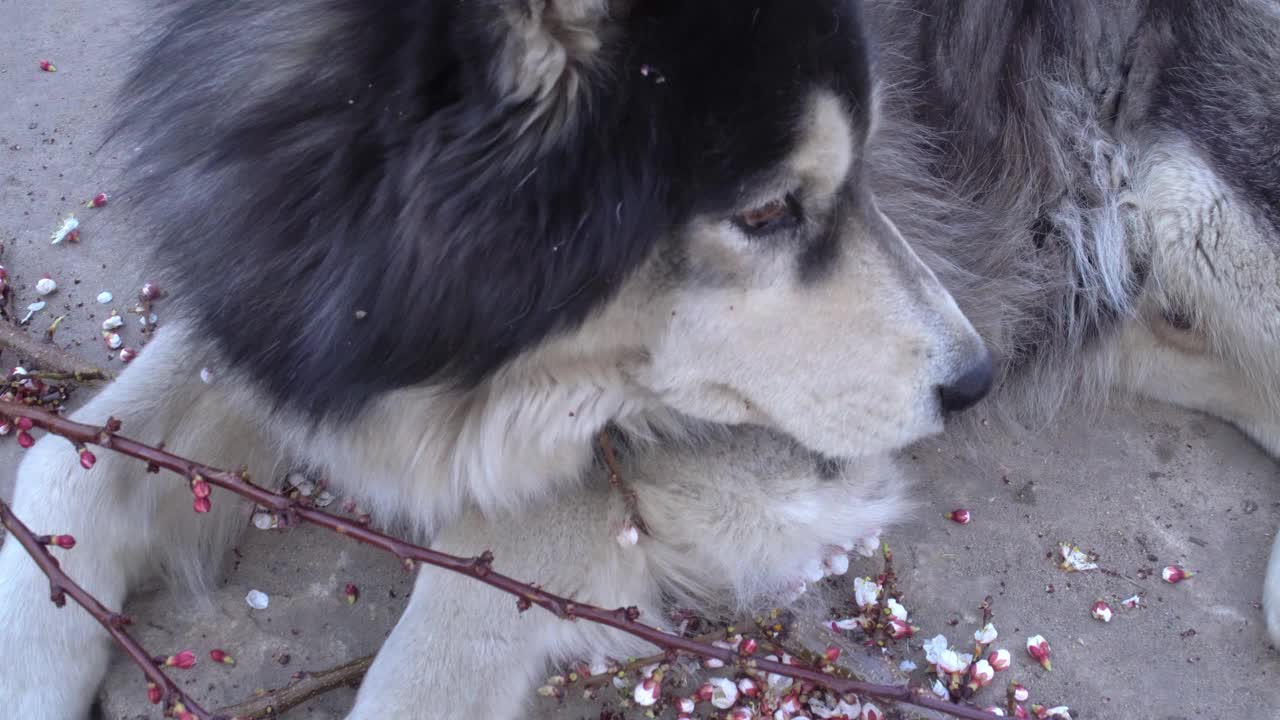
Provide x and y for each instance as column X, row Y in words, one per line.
column 221, row 656
column 184, row 660
column 1038, row 649
column 1101, row 611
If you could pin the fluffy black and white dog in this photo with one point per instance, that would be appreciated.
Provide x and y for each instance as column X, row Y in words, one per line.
column 435, row 247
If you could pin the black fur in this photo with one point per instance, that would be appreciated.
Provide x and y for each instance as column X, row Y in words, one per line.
column 304, row 161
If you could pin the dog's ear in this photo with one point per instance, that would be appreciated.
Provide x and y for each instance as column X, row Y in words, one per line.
column 528, row 199
column 546, row 47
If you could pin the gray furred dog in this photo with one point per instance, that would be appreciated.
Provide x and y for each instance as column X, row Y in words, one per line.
column 437, row 247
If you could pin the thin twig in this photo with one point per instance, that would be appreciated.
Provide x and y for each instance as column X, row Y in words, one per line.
column 480, row 567
column 61, row 586
column 617, row 481
column 276, row 702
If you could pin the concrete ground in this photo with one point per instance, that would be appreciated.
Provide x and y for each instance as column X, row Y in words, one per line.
column 1144, row 488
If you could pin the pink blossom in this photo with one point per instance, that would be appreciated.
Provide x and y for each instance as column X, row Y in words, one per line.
column 1000, row 660
column 647, row 692
column 981, row 674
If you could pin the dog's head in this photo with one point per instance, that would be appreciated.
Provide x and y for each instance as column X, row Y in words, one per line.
column 362, row 196
column 771, row 289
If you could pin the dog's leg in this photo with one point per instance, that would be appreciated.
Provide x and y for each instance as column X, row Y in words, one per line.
column 125, row 523
column 463, row 649
column 1173, row 365
column 1209, row 338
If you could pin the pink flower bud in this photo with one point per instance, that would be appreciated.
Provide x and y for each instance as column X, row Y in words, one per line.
column 1101, row 611
column 200, row 487
column 748, row 687
column 960, row 516
column 153, row 693
column 150, row 291
column 1021, row 712
column 1020, row 692
column 184, row 660
column 66, row 542
column 832, row 654
column 26, row 423
column 706, row 691
column 98, row 201
column 871, row 712
column 47, row 66
column 202, row 505
column 1000, row 660
column 87, row 459
column 899, row 630
column 25, row 439
column 221, row 656
column 647, row 692
column 351, row 593
column 748, row 646
column 1038, row 649
column 685, row 705
column 742, row 713
column 128, row 355
column 1174, row 574
column 981, row 674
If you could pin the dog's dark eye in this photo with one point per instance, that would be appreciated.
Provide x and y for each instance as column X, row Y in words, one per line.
column 778, row 214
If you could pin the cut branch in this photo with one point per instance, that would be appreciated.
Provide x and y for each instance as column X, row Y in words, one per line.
column 480, row 567
column 276, row 702
column 46, row 356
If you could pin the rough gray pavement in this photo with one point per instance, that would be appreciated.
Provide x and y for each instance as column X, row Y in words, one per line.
column 1144, row 488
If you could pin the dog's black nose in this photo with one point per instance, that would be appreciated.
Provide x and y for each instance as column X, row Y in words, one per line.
column 965, row 391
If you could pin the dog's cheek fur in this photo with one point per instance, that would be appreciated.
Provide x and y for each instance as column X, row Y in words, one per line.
column 369, row 157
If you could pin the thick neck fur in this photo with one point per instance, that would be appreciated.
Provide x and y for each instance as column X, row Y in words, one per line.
column 525, row 433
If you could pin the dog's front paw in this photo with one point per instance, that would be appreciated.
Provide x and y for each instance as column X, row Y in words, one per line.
column 1271, row 595
column 50, row 662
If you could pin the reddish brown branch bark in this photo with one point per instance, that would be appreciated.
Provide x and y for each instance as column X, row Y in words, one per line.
column 61, row 586
column 480, row 567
